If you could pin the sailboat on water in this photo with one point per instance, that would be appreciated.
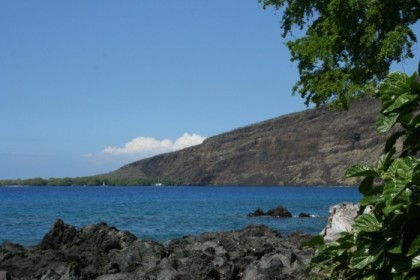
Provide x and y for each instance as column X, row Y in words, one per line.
column 158, row 184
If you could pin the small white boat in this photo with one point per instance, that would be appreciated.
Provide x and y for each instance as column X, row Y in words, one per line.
column 158, row 184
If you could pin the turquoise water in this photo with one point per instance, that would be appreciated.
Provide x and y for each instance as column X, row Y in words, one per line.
column 162, row 213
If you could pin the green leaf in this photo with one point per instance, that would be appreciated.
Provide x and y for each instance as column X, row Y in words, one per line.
column 415, row 262
column 320, row 258
column 394, row 85
column 401, row 264
column 368, row 255
column 385, row 122
column 392, row 196
column 362, row 259
column 379, row 263
column 400, row 277
column 394, row 246
column 414, row 82
column 385, row 160
column 365, row 186
column 415, row 247
column 390, row 143
column 405, row 118
column 361, row 170
column 371, row 200
column 393, row 207
column 315, row 241
column 400, row 101
column 346, row 240
column 393, row 189
column 406, row 166
column 366, row 223
column 390, row 173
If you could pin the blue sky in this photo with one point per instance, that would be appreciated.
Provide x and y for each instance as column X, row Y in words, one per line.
column 87, row 86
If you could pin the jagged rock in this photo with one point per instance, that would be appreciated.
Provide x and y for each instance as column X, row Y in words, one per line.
column 105, row 253
column 100, row 236
column 278, row 212
column 340, row 218
column 304, row 215
column 257, row 213
column 59, row 234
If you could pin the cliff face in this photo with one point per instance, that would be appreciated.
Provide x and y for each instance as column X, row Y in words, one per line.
column 313, row 147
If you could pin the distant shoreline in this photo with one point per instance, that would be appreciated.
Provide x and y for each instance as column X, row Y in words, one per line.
column 174, row 186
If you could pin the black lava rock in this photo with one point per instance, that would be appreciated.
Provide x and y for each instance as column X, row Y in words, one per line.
column 105, row 253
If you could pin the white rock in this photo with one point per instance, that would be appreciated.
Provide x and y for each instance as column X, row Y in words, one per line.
column 340, row 219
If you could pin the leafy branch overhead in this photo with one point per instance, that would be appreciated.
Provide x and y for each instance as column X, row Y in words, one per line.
column 346, row 51
column 348, row 46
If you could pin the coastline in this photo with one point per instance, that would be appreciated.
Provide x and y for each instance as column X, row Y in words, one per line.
column 103, row 252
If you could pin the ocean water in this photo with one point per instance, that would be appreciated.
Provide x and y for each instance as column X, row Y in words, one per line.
column 162, row 213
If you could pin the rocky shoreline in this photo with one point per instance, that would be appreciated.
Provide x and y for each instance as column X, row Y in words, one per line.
column 106, row 253
column 103, row 252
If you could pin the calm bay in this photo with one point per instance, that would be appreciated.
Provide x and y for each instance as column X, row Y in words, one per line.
column 163, row 213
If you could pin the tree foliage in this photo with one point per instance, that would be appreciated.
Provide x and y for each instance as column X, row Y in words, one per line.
column 385, row 243
column 91, row 181
column 349, row 45
column 347, row 50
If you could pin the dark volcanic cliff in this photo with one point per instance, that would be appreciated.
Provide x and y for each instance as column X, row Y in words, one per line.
column 313, row 147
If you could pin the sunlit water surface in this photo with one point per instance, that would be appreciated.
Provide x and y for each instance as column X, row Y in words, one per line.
column 162, row 213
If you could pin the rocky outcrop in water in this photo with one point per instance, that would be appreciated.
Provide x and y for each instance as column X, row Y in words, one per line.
column 278, row 212
column 105, row 253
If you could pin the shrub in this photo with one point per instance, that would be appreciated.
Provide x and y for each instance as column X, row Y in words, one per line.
column 384, row 243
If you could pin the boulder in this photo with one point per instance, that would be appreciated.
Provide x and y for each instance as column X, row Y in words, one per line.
column 257, row 213
column 340, row 218
column 278, row 212
column 59, row 235
column 304, row 215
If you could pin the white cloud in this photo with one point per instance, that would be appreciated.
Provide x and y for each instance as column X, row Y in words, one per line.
column 187, row 140
column 142, row 147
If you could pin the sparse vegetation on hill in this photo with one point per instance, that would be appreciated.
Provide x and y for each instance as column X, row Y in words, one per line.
column 313, row 147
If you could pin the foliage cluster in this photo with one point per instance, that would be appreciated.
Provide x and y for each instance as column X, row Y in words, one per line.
column 348, row 44
column 347, row 50
column 385, row 242
column 89, row 181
